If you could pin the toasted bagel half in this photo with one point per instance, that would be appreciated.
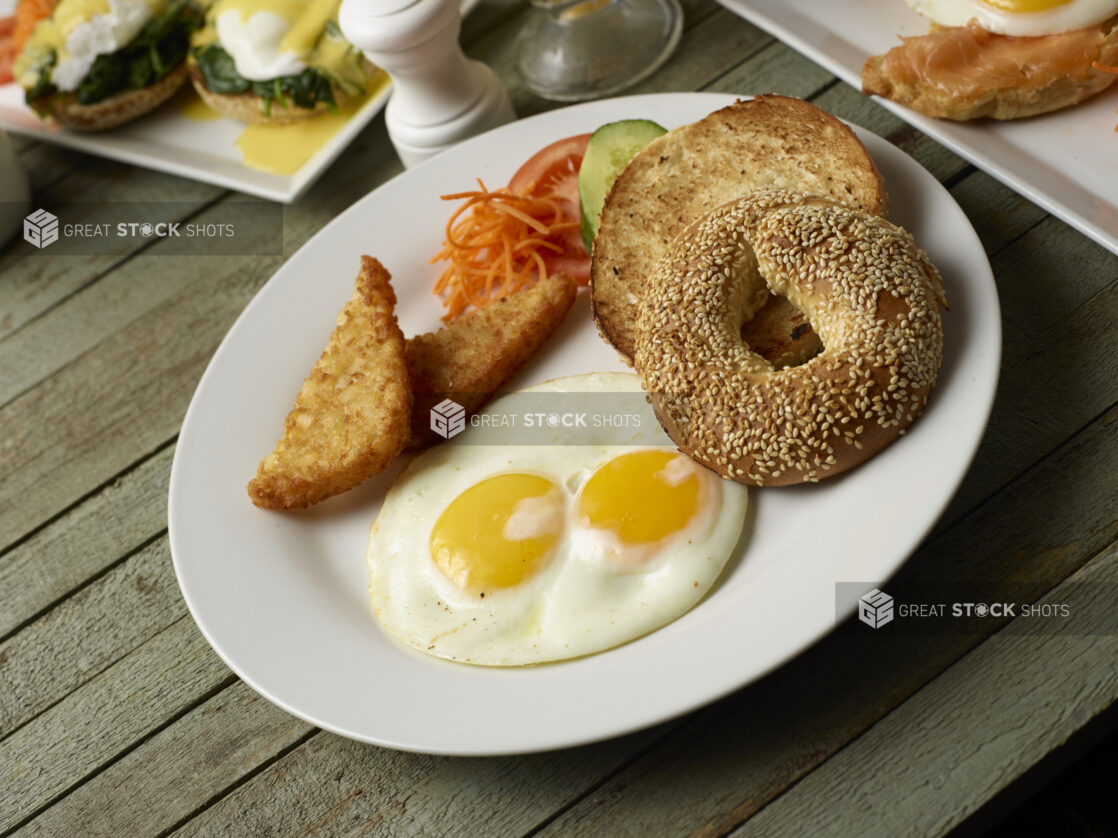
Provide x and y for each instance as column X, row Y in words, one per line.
column 771, row 142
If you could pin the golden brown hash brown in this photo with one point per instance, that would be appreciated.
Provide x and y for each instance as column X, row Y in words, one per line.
column 470, row 358
column 351, row 416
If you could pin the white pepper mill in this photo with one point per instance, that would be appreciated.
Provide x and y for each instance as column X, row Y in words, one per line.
column 439, row 97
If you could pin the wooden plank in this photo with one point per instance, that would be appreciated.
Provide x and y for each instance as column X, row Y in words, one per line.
column 998, row 214
column 92, row 419
column 180, row 768
column 776, row 68
column 110, row 714
column 333, row 786
column 727, row 762
column 67, row 331
column 1059, row 294
column 128, row 292
column 105, row 330
column 47, row 164
column 84, row 542
column 87, row 632
column 845, row 102
column 969, row 733
column 34, row 281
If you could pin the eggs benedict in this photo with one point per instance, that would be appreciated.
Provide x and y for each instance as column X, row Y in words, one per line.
column 1003, row 59
column 95, row 64
column 275, row 61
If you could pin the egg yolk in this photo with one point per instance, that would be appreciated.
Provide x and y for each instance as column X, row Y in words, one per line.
column 642, row 497
column 1025, row 5
column 498, row 532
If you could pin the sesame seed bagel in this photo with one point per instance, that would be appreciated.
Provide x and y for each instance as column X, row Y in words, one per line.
column 872, row 296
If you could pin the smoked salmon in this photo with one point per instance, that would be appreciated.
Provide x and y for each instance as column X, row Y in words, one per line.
column 966, row 72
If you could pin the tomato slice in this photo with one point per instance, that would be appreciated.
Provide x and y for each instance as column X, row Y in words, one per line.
column 7, row 48
column 574, row 261
column 553, row 171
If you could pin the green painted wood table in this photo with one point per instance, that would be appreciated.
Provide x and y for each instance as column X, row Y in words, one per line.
column 117, row 718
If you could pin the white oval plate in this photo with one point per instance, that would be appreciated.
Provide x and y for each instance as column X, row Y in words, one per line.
column 282, row 597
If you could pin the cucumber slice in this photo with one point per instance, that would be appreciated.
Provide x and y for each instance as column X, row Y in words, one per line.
column 610, row 149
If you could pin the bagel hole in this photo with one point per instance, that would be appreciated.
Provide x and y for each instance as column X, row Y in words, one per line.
column 781, row 334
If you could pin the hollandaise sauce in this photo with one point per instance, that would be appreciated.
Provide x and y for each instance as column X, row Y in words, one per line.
column 284, row 149
column 193, row 108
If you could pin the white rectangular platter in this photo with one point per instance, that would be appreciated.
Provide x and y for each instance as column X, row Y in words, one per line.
column 1066, row 162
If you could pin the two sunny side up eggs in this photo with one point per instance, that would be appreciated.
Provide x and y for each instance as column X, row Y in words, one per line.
column 520, row 554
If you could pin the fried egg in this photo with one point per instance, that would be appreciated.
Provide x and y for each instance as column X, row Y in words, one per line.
column 520, row 554
column 1022, row 18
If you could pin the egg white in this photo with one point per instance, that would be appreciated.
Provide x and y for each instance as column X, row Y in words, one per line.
column 1076, row 14
column 582, row 602
column 255, row 45
column 99, row 35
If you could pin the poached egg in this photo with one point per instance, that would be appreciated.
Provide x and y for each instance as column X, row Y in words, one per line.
column 269, row 39
column 78, row 31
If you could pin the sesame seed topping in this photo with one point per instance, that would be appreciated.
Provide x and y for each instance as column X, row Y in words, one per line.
column 871, row 295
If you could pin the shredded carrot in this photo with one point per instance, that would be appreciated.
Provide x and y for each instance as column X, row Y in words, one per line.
column 15, row 30
column 494, row 244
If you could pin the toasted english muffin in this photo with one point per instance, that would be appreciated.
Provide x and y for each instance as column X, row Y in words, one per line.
column 66, row 110
column 771, row 142
column 251, row 108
